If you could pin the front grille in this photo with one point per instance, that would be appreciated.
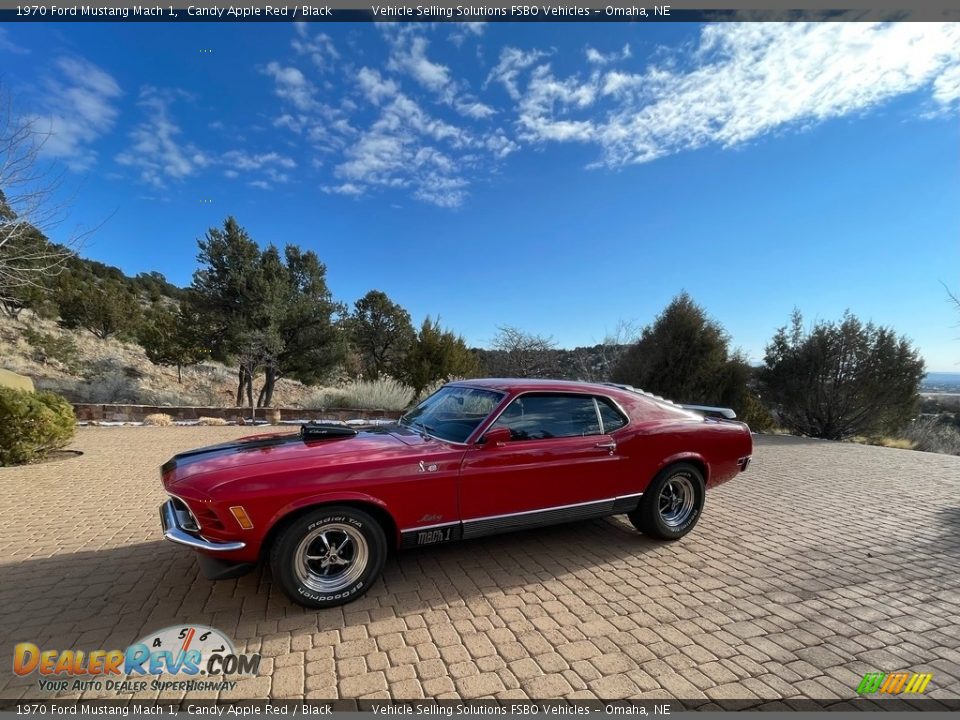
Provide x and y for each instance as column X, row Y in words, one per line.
column 208, row 519
column 184, row 516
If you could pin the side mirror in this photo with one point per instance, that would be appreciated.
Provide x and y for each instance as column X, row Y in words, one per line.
column 496, row 437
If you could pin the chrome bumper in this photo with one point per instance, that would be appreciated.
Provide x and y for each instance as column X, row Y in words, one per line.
column 174, row 532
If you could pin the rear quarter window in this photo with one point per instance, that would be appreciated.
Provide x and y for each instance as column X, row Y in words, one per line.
column 612, row 418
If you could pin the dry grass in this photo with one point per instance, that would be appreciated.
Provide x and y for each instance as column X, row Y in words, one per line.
column 158, row 419
column 776, row 431
column 934, row 434
column 213, row 421
column 897, row 443
column 382, row 394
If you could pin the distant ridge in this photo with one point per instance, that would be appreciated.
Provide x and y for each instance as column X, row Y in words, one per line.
column 941, row 382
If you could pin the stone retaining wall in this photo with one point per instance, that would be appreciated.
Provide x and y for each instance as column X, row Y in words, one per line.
column 135, row 413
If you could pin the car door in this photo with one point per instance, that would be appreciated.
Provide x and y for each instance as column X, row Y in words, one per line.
column 557, row 466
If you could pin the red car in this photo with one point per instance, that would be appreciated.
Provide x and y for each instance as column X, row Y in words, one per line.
column 326, row 505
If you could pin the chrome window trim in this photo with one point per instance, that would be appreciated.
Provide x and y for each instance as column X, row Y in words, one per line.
column 467, row 442
column 592, row 393
column 596, row 409
column 618, row 407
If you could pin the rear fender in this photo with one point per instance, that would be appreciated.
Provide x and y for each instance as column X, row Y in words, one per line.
column 690, row 457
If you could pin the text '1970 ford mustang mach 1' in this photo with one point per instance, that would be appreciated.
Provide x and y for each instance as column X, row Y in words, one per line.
column 324, row 506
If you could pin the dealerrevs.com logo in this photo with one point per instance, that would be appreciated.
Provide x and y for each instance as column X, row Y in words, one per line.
column 202, row 653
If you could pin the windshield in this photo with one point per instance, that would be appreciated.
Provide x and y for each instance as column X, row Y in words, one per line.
column 453, row 412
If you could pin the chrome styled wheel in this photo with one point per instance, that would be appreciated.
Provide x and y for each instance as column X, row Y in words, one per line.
column 328, row 556
column 672, row 503
column 331, row 557
column 677, row 500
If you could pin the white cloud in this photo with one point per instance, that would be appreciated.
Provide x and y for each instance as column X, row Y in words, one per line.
column 512, row 62
column 291, row 84
column 319, row 47
column 79, row 107
column 461, row 31
column 157, row 152
column 242, row 160
column 410, row 56
column 406, row 147
column 375, row 87
column 343, row 189
column 8, row 45
column 474, row 109
column 745, row 80
column 442, row 191
column 598, row 58
column 946, row 88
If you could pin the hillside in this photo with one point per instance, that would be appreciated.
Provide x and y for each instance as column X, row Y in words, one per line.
column 86, row 369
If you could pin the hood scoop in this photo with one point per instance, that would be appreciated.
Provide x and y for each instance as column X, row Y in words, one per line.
column 325, row 431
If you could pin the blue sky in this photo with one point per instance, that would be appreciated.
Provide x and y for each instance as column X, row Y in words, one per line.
column 556, row 177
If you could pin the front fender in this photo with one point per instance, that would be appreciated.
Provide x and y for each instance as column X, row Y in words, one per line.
column 327, row 498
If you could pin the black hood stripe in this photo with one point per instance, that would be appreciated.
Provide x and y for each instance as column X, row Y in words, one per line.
column 239, row 446
column 227, row 448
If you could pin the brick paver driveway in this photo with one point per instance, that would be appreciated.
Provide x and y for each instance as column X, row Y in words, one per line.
column 824, row 561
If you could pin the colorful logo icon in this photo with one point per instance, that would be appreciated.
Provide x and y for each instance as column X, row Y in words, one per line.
column 897, row 683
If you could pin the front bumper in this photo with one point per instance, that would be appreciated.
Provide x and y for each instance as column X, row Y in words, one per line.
column 174, row 531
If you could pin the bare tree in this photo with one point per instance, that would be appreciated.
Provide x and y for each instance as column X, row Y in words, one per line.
column 523, row 354
column 953, row 298
column 28, row 210
column 596, row 364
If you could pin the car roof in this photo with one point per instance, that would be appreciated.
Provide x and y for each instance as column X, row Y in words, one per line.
column 622, row 393
column 514, row 384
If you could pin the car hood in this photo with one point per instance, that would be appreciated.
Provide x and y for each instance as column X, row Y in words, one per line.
column 372, row 444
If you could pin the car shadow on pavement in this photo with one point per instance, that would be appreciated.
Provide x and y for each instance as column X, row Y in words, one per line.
column 109, row 598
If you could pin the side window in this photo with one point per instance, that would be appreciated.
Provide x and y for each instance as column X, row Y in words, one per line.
column 539, row 417
column 612, row 418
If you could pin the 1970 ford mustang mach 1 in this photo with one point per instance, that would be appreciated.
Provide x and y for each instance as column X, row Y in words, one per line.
column 324, row 506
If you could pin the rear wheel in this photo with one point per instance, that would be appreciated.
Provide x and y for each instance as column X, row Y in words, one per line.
column 329, row 557
column 671, row 505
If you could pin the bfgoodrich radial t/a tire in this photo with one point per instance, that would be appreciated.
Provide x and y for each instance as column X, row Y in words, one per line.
column 671, row 505
column 329, row 557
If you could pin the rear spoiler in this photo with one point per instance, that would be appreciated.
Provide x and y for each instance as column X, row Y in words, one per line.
column 712, row 412
column 705, row 410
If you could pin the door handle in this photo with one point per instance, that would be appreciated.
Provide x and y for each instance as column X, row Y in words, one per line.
column 611, row 446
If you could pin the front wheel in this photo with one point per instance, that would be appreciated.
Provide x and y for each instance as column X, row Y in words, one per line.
column 329, row 557
column 671, row 505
